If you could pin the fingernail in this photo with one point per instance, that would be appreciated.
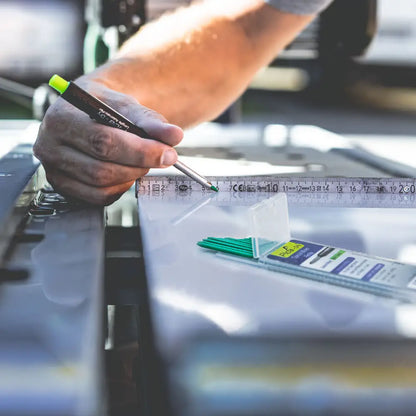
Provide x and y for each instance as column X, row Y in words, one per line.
column 169, row 157
column 172, row 126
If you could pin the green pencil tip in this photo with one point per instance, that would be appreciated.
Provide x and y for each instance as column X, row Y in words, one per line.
column 58, row 83
column 214, row 188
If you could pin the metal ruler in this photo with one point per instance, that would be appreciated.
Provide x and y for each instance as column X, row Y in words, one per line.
column 336, row 191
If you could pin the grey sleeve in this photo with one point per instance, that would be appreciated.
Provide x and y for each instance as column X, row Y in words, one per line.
column 300, row 6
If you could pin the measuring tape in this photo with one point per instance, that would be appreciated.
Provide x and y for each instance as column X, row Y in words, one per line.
column 337, row 191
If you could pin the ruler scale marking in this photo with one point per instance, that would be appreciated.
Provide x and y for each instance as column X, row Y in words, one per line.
column 288, row 184
column 348, row 192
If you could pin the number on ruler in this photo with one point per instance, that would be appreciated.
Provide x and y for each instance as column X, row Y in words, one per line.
column 406, row 189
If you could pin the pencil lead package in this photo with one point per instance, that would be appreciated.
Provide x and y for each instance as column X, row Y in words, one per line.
column 270, row 246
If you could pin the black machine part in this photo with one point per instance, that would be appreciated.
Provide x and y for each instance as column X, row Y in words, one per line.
column 127, row 15
column 347, row 28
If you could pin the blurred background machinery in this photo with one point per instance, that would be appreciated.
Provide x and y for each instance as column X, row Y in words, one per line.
column 41, row 37
column 349, row 55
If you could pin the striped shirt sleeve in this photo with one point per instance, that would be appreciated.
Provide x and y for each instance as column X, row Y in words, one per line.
column 300, row 6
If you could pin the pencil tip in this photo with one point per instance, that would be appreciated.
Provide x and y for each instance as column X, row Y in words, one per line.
column 214, row 188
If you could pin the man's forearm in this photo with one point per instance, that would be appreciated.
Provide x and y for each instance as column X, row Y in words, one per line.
column 190, row 65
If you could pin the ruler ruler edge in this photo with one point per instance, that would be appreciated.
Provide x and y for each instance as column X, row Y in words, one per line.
column 186, row 178
column 383, row 197
column 410, row 183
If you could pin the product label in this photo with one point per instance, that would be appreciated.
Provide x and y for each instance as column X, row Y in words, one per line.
column 287, row 249
column 345, row 263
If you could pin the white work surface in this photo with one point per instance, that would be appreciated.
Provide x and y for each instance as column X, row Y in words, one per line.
column 194, row 292
column 197, row 297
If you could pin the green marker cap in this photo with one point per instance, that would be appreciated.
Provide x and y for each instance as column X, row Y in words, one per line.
column 58, row 83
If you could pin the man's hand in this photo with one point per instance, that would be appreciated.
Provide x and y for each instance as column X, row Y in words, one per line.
column 97, row 163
